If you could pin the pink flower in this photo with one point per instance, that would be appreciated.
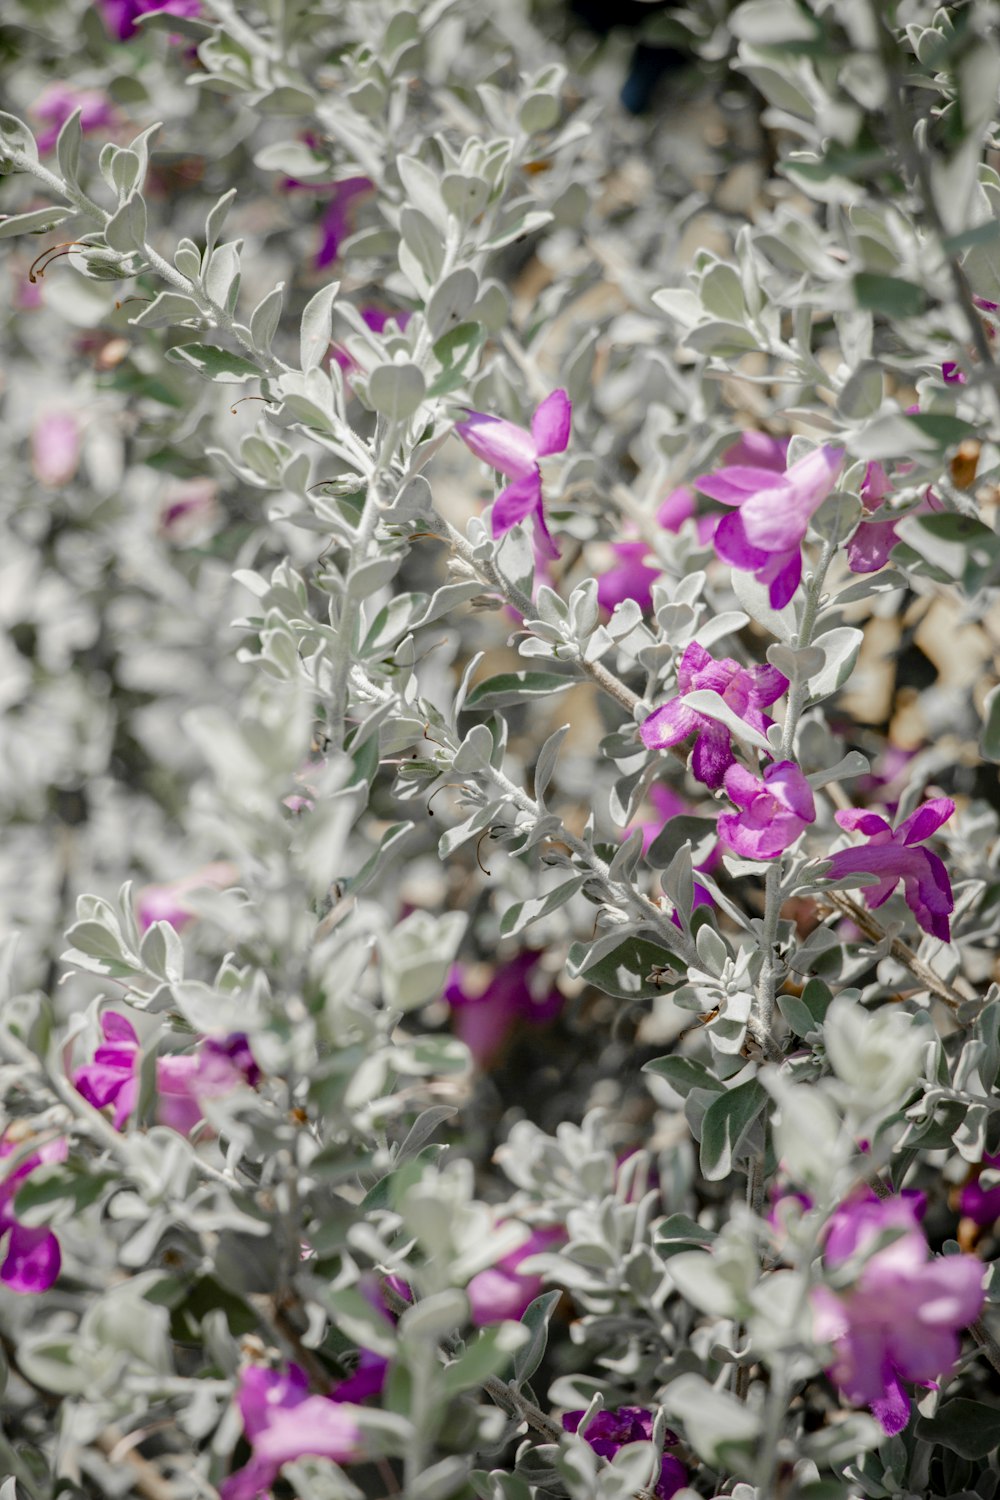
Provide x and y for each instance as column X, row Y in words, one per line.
column 608, row 1431
column 892, row 855
column 183, row 1081
column 55, row 448
column 504, row 1290
column 33, row 1258
column 873, row 541
column 485, row 1020
column 764, row 534
column 166, row 903
column 191, row 512
column 282, row 1422
column 979, row 1203
column 745, row 691
column 632, row 577
column 900, row 1319
column 773, row 812
column 516, row 453
column 57, row 102
column 120, row 16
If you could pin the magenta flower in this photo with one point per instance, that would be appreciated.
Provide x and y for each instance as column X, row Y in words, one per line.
column 764, row 533
column 56, row 441
column 892, row 855
column 337, row 221
column 485, row 1020
column 745, row 690
column 516, row 453
column 773, row 812
column 282, row 1422
column 873, row 541
column 504, row 1290
column 120, row 16
column 183, row 1081
column 57, row 102
column 982, row 1204
column 33, row 1258
column 168, row 903
column 610, row 1430
column 900, row 1319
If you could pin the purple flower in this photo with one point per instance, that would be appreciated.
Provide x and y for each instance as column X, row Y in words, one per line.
column 981, row 1204
column 504, row 1290
column 283, row 1422
column 336, row 222
column 764, row 533
column 773, row 812
column 485, row 1020
column 632, row 577
column 892, row 855
column 32, row 1259
column 900, row 1319
column 669, row 805
column 870, row 546
column 745, row 691
column 120, row 16
column 610, row 1430
column 183, row 1081
column 516, row 453
column 56, row 103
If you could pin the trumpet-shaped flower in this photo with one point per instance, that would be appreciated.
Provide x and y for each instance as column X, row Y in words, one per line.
column 900, row 1319
column 745, row 690
column 873, row 541
column 516, row 452
column 609, row 1431
column 182, row 1082
column 771, row 515
column 893, row 855
column 283, row 1422
column 32, row 1259
column 773, row 812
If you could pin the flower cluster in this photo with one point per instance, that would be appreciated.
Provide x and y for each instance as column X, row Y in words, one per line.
column 893, row 855
column 32, row 1257
column 609, row 1431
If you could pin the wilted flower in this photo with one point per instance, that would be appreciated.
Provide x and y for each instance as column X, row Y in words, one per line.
column 120, row 16
column 484, row 1021
column 504, row 1290
column 516, row 453
column 57, row 102
column 764, row 534
column 55, row 448
column 283, row 1422
column 745, row 690
column 183, row 1081
column 167, row 903
column 892, row 855
column 773, row 812
column 33, row 1257
column 608, row 1431
column 900, row 1318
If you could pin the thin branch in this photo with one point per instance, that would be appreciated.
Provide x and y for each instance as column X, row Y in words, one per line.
column 902, row 952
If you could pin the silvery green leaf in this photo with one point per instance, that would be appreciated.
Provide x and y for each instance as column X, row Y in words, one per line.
column 885, row 582
column 315, row 330
column 126, row 229
column 538, row 112
column 861, row 395
column 294, row 158
column 187, row 259
column 852, row 764
column 221, row 274
column 508, row 688
column 701, row 1280
column 424, row 242
column 464, row 196
column 546, row 763
column 214, row 364
column 15, row 136
column 68, row 148
column 37, row 221
column 266, row 316
column 684, row 1074
column 517, row 226
column 519, row 916
column 214, row 222
column 837, row 517
column 487, row 1354
column 722, row 1430
column 422, row 188
column 416, row 956
column 797, row 663
column 754, row 598
column 168, row 308
column 840, row 649
column 726, row 1126
column 990, row 739
column 721, row 340
column 396, row 390
column 684, row 829
column 629, row 967
column 679, row 303
column 721, row 292
column 452, row 301
column 726, row 622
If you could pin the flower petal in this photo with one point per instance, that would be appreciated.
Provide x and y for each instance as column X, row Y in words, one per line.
column 925, row 821
column 500, row 443
column 518, row 501
column 551, row 424
column 32, row 1261
column 712, row 755
column 670, row 724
